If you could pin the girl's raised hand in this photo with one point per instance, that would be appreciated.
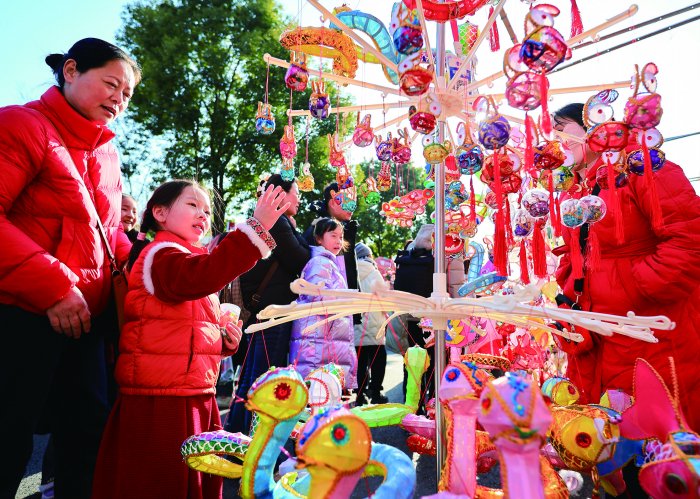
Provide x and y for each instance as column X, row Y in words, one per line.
column 270, row 206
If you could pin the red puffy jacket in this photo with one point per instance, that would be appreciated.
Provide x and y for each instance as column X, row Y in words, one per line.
column 653, row 272
column 47, row 225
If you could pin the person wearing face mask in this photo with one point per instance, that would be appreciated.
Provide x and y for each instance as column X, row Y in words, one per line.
column 648, row 270
column 268, row 284
column 59, row 178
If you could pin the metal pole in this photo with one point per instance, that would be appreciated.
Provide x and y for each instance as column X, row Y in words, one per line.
column 439, row 277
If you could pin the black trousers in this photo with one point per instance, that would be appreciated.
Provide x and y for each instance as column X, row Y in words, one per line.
column 46, row 376
column 371, row 367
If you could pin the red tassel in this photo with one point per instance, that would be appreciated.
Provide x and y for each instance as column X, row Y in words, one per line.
column 493, row 34
column 576, row 256
column 539, row 256
column 529, row 139
column 555, row 221
column 509, row 229
column 524, row 273
column 472, row 200
column 656, row 219
column 544, row 97
column 500, row 250
column 614, row 206
column 592, row 250
column 576, row 23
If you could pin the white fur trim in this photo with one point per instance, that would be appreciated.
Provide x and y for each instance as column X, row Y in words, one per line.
column 148, row 262
column 255, row 239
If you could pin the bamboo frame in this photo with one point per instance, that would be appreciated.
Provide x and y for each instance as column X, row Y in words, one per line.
column 426, row 38
column 350, row 109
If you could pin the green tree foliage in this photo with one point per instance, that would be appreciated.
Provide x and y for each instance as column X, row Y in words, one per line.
column 204, row 74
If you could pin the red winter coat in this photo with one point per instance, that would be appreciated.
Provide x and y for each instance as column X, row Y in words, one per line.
column 171, row 343
column 47, row 226
column 651, row 273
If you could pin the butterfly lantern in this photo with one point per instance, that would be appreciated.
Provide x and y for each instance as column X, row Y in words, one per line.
column 264, row 119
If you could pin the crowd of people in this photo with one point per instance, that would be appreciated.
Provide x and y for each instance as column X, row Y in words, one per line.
column 60, row 202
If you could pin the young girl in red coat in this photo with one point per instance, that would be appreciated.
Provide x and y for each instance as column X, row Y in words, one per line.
column 172, row 342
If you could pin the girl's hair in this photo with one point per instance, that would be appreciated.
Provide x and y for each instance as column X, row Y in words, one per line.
column 165, row 195
column 321, row 207
column 90, row 53
column 570, row 112
column 327, row 224
column 277, row 180
column 126, row 196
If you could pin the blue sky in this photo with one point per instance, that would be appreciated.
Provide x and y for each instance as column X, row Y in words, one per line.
column 31, row 29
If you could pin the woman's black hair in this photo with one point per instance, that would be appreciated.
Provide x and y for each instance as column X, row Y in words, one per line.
column 277, row 180
column 165, row 195
column 570, row 112
column 321, row 207
column 90, row 53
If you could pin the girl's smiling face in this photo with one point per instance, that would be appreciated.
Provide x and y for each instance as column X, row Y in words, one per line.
column 332, row 240
column 189, row 217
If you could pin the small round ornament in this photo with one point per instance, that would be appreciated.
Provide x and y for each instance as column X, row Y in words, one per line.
column 536, row 203
column 571, row 213
column 593, row 208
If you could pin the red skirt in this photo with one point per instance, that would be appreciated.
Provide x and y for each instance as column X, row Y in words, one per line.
column 140, row 452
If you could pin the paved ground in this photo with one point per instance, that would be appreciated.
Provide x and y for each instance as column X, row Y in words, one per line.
column 395, row 436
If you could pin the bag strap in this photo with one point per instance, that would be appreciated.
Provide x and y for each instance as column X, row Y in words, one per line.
column 257, row 296
column 583, row 241
column 79, row 179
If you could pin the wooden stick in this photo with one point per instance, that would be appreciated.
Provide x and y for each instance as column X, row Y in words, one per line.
column 465, row 61
column 389, row 123
column 426, row 38
column 570, row 90
column 368, row 48
column 334, row 77
column 570, row 42
column 349, row 109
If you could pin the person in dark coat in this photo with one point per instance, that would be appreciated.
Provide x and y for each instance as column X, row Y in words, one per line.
column 269, row 347
column 329, row 207
column 414, row 274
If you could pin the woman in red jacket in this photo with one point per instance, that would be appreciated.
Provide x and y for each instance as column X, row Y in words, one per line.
column 173, row 339
column 651, row 271
column 58, row 174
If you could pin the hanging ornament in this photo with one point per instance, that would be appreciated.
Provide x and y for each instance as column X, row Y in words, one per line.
column 297, row 76
column 644, row 110
column 364, row 134
column 523, row 223
column 604, row 134
column 543, row 48
column 319, row 102
column 287, row 171
column 423, row 119
column 494, row 130
column 345, row 198
column 382, row 147
column 264, row 119
column 405, row 29
column 562, row 179
column 470, row 156
column 305, row 181
column 414, row 79
column 370, row 191
column 635, row 159
column 615, row 161
column 455, row 195
column 435, row 152
column 288, row 145
column 384, row 177
column 336, row 157
column 401, row 148
column 536, row 203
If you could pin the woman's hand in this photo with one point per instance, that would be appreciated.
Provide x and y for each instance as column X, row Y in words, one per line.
column 70, row 315
column 231, row 337
column 271, row 206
